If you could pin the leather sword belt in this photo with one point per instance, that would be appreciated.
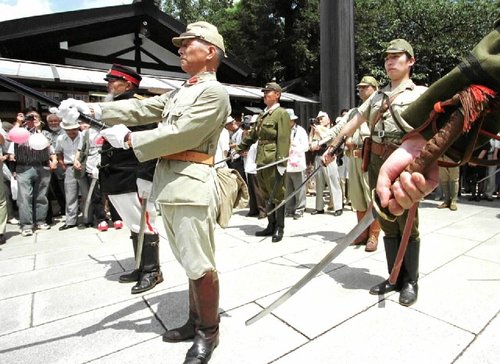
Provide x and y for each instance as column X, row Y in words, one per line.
column 383, row 150
column 191, row 156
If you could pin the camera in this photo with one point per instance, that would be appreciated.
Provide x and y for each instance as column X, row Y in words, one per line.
column 30, row 117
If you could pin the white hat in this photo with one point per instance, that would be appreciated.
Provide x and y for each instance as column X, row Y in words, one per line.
column 291, row 112
column 321, row 114
column 68, row 125
column 229, row 120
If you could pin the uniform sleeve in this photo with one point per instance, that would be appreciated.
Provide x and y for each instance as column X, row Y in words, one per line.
column 189, row 126
column 133, row 111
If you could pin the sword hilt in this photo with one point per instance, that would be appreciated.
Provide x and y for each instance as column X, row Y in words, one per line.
column 441, row 141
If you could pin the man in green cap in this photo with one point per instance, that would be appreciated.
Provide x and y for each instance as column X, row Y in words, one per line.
column 272, row 132
column 190, row 120
column 482, row 67
column 387, row 131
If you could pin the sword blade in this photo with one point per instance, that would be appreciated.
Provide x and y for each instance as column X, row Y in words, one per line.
column 370, row 216
column 272, row 164
column 291, row 195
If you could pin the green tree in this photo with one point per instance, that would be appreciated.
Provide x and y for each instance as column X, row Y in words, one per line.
column 440, row 31
column 280, row 38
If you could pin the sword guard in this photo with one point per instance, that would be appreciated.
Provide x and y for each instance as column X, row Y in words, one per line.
column 383, row 212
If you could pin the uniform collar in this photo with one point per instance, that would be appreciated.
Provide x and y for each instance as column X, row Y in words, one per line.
column 406, row 85
column 272, row 108
column 204, row 76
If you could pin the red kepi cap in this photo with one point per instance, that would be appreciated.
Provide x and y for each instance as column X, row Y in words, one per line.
column 118, row 71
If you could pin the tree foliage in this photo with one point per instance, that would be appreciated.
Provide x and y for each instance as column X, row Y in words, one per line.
column 280, row 38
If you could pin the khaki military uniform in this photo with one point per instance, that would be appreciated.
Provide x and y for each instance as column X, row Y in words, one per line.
column 388, row 133
column 272, row 132
column 189, row 119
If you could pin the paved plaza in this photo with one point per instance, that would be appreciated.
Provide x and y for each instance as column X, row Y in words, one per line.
column 60, row 300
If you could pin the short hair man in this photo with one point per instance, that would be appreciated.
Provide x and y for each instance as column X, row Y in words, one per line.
column 190, row 120
column 273, row 135
column 387, row 130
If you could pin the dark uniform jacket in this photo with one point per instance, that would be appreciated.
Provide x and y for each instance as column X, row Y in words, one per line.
column 120, row 168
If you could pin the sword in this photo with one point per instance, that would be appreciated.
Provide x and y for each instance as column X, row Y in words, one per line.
column 30, row 92
column 142, row 228
column 89, row 197
column 371, row 214
column 431, row 152
column 272, row 164
column 297, row 190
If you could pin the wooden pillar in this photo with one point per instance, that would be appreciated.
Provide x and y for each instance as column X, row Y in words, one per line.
column 337, row 56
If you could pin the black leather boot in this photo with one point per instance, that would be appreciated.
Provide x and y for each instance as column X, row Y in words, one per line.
column 280, row 225
column 391, row 250
column 409, row 291
column 134, row 275
column 206, row 296
column 151, row 274
column 188, row 330
column 271, row 223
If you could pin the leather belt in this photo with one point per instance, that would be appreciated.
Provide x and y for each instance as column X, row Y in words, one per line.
column 382, row 149
column 191, row 156
column 265, row 142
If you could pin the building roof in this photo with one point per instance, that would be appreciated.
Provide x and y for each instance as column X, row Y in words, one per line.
column 136, row 35
column 64, row 76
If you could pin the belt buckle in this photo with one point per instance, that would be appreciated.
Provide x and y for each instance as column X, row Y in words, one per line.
column 380, row 133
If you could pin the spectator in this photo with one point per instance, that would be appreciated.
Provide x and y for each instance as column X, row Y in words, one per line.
column 66, row 148
column 328, row 175
column 295, row 170
column 32, row 172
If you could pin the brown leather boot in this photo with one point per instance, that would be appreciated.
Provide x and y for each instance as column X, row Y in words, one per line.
column 361, row 240
column 206, row 297
column 186, row 331
column 374, row 232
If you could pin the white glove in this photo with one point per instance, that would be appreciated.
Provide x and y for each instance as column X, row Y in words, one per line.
column 281, row 170
column 70, row 109
column 116, row 135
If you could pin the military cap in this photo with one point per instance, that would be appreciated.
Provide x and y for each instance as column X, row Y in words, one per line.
column 204, row 31
column 398, row 46
column 119, row 72
column 368, row 81
column 272, row 86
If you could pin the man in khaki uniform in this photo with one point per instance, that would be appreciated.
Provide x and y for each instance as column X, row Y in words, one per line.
column 272, row 132
column 190, row 121
column 382, row 114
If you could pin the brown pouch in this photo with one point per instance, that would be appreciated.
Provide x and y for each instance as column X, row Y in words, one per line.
column 365, row 153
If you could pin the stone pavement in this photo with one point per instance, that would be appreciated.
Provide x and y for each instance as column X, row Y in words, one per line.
column 60, row 300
